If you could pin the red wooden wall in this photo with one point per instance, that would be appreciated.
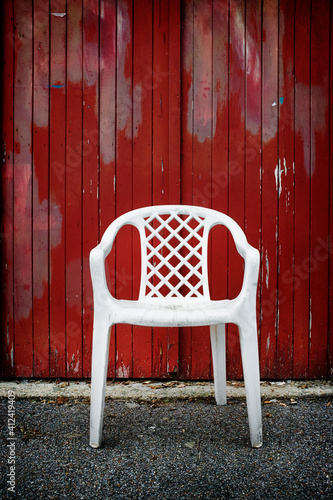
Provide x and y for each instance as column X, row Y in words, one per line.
column 110, row 105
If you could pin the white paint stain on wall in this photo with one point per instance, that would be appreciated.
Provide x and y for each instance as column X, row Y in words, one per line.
column 126, row 101
column 123, row 371
column 313, row 104
column 310, row 319
column 279, row 170
column 268, row 342
column 77, row 364
column 74, row 366
column 277, row 177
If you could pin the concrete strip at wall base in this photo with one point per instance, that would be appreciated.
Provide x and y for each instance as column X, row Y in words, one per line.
column 163, row 391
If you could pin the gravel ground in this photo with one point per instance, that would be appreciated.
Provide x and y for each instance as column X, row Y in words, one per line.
column 176, row 450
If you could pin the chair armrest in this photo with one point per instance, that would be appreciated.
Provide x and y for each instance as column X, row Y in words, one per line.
column 251, row 271
column 97, row 272
column 97, row 262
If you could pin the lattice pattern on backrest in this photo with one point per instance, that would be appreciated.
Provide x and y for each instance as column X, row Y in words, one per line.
column 175, row 259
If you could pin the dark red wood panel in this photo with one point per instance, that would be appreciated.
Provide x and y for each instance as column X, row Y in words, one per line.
column 57, row 176
column 236, row 182
column 174, row 179
column 23, row 98
column 270, row 189
column 90, row 166
column 218, row 187
column 107, row 145
column 7, row 355
column 330, row 299
column 40, row 190
column 174, row 75
column 253, row 130
column 286, row 181
column 185, row 334
column 319, row 171
column 112, row 105
column 202, row 150
column 144, row 81
column 160, row 149
column 124, row 175
column 77, row 147
column 299, row 280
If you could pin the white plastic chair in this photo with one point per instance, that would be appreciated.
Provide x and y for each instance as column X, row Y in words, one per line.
column 174, row 291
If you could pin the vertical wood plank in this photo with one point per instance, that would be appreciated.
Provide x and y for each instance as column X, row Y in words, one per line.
column 174, row 100
column 320, row 22
column 270, row 186
column 174, row 147
column 90, row 166
column 298, row 280
column 23, row 189
column 185, row 334
column 219, row 181
column 124, row 173
column 202, row 153
column 7, row 240
column 74, row 154
column 57, row 189
column 286, row 189
column 160, row 149
column 253, row 90
column 330, row 299
column 253, row 113
column 236, row 166
column 161, row 103
column 145, row 80
column 108, row 29
column 40, row 222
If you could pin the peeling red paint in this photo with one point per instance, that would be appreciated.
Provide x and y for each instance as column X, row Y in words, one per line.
column 131, row 98
column 107, row 80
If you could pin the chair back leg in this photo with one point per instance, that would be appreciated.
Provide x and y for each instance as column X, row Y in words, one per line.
column 217, row 340
column 100, row 356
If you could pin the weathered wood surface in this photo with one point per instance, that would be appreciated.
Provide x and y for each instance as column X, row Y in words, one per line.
column 113, row 105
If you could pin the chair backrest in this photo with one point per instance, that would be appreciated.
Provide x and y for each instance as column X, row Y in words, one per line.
column 174, row 243
column 174, row 259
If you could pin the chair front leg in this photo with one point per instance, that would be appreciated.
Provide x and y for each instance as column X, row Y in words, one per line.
column 100, row 355
column 217, row 339
column 250, row 361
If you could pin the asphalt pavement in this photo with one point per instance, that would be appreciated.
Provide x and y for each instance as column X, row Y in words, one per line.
column 162, row 449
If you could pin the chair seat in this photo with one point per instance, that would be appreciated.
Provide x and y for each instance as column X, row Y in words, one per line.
column 192, row 312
